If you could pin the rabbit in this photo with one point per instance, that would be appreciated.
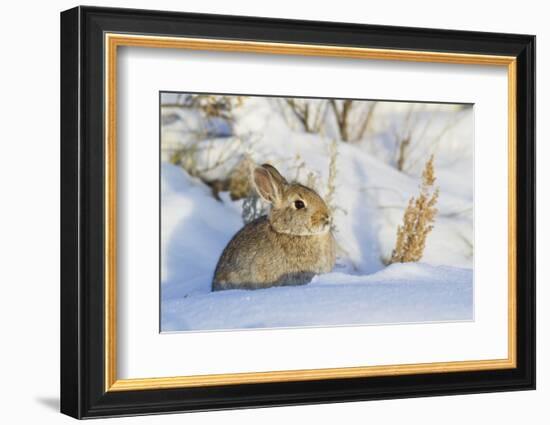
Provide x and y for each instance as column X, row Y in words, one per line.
column 288, row 246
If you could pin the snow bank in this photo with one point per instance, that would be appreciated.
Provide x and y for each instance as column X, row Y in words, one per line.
column 194, row 230
column 401, row 293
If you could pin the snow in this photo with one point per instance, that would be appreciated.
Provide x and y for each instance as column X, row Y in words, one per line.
column 370, row 198
column 400, row 293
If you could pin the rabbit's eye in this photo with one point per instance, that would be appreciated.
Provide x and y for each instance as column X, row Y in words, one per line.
column 299, row 204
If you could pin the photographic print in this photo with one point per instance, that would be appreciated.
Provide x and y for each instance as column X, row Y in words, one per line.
column 298, row 212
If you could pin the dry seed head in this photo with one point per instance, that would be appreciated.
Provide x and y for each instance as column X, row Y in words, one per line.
column 418, row 220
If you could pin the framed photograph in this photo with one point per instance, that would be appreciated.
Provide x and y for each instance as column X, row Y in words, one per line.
column 261, row 212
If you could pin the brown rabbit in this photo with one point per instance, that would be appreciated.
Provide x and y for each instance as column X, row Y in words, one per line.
column 287, row 247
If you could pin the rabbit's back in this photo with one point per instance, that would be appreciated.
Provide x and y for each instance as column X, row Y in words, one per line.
column 259, row 257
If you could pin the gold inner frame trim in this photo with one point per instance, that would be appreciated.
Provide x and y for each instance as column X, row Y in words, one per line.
column 113, row 41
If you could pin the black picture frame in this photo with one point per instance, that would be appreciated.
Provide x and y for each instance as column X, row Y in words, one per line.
column 83, row 392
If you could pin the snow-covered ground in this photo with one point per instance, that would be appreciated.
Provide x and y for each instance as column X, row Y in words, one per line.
column 401, row 293
column 370, row 198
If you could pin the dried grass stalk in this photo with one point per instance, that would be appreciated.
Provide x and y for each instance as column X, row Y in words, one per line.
column 218, row 106
column 418, row 220
column 331, row 182
column 253, row 208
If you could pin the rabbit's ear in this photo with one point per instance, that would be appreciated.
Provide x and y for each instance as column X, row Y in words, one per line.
column 279, row 179
column 269, row 183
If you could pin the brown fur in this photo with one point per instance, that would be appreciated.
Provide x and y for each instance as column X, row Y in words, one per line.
column 288, row 247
